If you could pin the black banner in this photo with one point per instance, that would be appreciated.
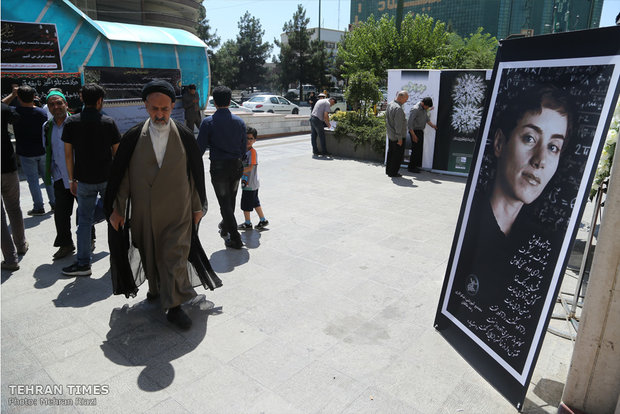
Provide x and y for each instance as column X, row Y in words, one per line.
column 462, row 96
column 30, row 46
column 542, row 132
column 127, row 83
column 69, row 83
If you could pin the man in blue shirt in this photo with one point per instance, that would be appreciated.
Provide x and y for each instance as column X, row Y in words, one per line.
column 224, row 134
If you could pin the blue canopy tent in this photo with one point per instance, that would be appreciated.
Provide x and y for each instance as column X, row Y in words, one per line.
column 84, row 42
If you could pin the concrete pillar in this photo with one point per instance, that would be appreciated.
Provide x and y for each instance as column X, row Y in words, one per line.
column 593, row 383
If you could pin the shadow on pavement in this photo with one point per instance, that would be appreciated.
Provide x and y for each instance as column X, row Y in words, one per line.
column 34, row 221
column 47, row 274
column 251, row 238
column 225, row 261
column 403, row 182
column 141, row 336
column 84, row 291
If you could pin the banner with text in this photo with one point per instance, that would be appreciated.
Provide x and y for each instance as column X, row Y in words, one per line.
column 541, row 135
column 30, row 46
column 69, row 83
column 127, row 83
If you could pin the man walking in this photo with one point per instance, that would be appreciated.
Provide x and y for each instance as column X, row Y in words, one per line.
column 418, row 118
column 318, row 121
column 225, row 135
column 30, row 148
column 56, row 172
column 158, row 183
column 191, row 104
column 396, row 125
column 91, row 139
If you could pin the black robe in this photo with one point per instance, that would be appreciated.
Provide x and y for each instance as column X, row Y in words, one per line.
column 125, row 263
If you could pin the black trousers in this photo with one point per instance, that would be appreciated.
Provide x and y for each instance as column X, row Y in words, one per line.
column 62, row 214
column 417, row 150
column 225, row 176
column 394, row 157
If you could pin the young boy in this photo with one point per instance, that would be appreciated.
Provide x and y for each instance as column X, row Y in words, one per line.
column 250, row 184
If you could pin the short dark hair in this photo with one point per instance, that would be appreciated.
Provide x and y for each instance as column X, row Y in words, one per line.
column 91, row 93
column 191, row 86
column 534, row 100
column 26, row 93
column 252, row 131
column 427, row 101
column 221, row 96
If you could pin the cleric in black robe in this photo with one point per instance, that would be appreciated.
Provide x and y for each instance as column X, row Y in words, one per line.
column 155, row 198
column 506, row 260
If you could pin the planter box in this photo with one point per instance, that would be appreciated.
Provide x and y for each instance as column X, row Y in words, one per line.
column 346, row 148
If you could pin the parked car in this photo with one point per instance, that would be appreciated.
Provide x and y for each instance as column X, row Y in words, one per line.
column 340, row 105
column 234, row 107
column 271, row 104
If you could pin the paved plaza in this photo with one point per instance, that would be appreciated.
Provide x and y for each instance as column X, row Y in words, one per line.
column 330, row 310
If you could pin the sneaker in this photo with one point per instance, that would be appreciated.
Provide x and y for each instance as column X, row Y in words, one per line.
column 262, row 224
column 76, row 270
column 23, row 250
column 179, row 318
column 234, row 244
column 63, row 251
column 244, row 226
column 36, row 212
column 9, row 266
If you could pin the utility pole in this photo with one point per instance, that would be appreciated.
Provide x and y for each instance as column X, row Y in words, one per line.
column 319, row 20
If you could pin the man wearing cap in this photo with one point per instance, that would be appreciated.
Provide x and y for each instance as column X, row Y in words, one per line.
column 91, row 140
column 158, row 185
column 191, row 104
column 56, row 172
column 318, row 121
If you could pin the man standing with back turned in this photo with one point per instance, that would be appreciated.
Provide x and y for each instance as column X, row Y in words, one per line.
column 418, row 118
column 396, row 124
column 224, row 134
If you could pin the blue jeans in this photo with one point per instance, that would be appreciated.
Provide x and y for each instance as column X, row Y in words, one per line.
column 87, row 202
column 34, row 167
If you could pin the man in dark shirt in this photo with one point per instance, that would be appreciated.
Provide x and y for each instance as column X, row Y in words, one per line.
column 30, row 147
column 91, row 139
column 224, row 134
column 11, row 247
column 191, row 104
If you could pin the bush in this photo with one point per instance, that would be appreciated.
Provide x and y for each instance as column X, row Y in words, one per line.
column 368, row 129
column 363, row 92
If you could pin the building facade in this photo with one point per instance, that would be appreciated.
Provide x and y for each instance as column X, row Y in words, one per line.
column 500, row 18
column 176, row 14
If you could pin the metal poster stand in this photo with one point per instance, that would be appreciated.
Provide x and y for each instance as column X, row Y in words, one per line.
column 571, row 301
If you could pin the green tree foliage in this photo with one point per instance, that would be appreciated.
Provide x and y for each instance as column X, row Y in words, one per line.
column 301, row 60
column 252, row 52
column 362, row 93
column 225, row 67
column 203, row 30
column 423, row 43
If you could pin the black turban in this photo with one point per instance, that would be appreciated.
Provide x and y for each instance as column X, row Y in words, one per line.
column 158, row 85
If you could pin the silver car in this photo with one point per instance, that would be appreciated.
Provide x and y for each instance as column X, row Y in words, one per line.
column 234, row 107
column 271, row 104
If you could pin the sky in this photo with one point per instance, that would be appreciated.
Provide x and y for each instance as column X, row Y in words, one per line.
column 224, row 15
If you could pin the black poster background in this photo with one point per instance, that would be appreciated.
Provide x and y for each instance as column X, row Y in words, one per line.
column 493, row 350
column 127, row 83
column 462, row 96
column 69, row 83
column 30, row 46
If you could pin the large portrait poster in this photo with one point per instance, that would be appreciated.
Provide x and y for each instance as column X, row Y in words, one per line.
column 462, row 94
column 542, row 134
column 30, row 46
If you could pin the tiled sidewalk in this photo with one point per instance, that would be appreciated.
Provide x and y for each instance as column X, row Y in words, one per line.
column 330, row 310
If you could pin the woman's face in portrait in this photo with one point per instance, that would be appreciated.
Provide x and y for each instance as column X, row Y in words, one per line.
column 529, row 157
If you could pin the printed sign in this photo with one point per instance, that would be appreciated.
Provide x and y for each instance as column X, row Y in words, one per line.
column 30, row 46
column 462, row 95
column 127, row 83
column 542, row 133
column 69, row 83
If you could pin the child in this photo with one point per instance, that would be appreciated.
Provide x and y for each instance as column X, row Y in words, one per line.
column 249, row 184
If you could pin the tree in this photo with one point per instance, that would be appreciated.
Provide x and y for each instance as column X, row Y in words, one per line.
column 252, row 52
column 295, row 58
column 203, row 31
column 362, row 92
column 475, row 52
column 225, row 70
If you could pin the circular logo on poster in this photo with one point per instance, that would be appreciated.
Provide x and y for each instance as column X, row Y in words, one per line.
column 472, row 285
